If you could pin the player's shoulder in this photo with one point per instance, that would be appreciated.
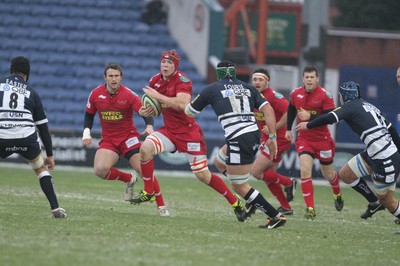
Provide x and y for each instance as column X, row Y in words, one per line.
column 155, row 78
column 127, row 91
column 182, row 77
column 324, row 92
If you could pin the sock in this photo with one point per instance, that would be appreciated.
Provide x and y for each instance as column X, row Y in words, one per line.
column 47, row 185
column 272, row 175
column 147, row 168
column 277, row 191
column 308, row 191
column 116, row 174
column 218, row 184
column 335, row 184
column 157, row 190
column 397, row 211
column 362, row 187
column 255, row 198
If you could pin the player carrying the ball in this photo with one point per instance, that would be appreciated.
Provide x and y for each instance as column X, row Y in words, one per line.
column 181, row 133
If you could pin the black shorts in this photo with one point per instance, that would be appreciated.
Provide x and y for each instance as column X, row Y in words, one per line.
column 28, row 147
column 384, row 171
column 243, row 149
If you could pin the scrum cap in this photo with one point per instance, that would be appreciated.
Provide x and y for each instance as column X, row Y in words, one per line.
column 225, row 68
column 20, row 64
column 349, row 91
column 172, row 55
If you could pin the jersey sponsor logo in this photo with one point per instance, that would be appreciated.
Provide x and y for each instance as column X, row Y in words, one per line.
column 111, row 115
column 122, row 102
column 329, row 95
column 184, row 79
column 102, row 97
column 15, row 87
column 193, row 146
column 300, row 96
column 238, row 89
column 278, row 95
column 312, row 112
column 132, row 142
column 326, row 154
column 16, row 149
column 259, row 116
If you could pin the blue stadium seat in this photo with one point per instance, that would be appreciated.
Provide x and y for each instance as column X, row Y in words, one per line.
column 93, row 36
column 59, row 11
column 86, row 24
column 67, row 23
column 19, row 32
column 30, row 22
column 48, row 23
column 40, row 10
column 8, row 20
column 76, row 12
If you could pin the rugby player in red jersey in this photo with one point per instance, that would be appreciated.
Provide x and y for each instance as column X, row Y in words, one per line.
column 115, row 105
column 308, row 102
column 180, row 133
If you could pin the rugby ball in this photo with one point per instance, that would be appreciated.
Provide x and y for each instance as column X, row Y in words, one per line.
column 148, row 101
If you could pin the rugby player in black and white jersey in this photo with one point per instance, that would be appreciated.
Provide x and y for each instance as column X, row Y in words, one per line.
column 233, row 102
column 21, row 113
column 381, row 157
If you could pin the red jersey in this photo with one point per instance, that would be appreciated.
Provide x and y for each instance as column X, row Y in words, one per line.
column 280, row 105
column 115, row 111
column 175, row 121
column 316, row 103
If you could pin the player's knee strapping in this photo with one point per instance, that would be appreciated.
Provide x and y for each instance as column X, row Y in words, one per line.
column 239, row 179
column 357, row 165
column 198, row 166
column 221, row 157
column 158, row 144
column 38, row 163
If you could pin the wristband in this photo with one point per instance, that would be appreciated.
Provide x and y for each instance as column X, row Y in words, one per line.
column 272, row 136
column 86, row 134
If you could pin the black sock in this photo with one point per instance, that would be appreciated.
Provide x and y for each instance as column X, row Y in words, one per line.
column 363, row 188
column 46, row 183
column 397, row 210
column 261, row 203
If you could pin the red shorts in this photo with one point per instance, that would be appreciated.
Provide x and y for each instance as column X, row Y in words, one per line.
column 281, row 150
column 123, row 145
column 189, row 142
column 324, row 151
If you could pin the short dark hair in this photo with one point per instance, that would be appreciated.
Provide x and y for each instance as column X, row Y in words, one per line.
column 262, row 70
column 20, row 64
column 113, row 65
column 309, row 69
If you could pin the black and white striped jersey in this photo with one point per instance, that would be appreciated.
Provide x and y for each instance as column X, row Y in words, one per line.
column 20, row 108
column 233, row 102
column 368, row 123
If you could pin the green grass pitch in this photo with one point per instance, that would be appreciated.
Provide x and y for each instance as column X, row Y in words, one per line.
column 103, row 229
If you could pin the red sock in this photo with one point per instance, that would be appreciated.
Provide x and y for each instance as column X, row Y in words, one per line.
column 218, row 184
column 116, row 174
column 274, row 177
column 157, row 190
column 277, row 191
column 308, row 191
column 270, row 177
column 335, row 184
column 147, row 168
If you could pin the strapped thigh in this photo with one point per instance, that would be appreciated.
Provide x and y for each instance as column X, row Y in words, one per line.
column 357, row 165
column 197, row 162
column 161, row 143
column 221, row 157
